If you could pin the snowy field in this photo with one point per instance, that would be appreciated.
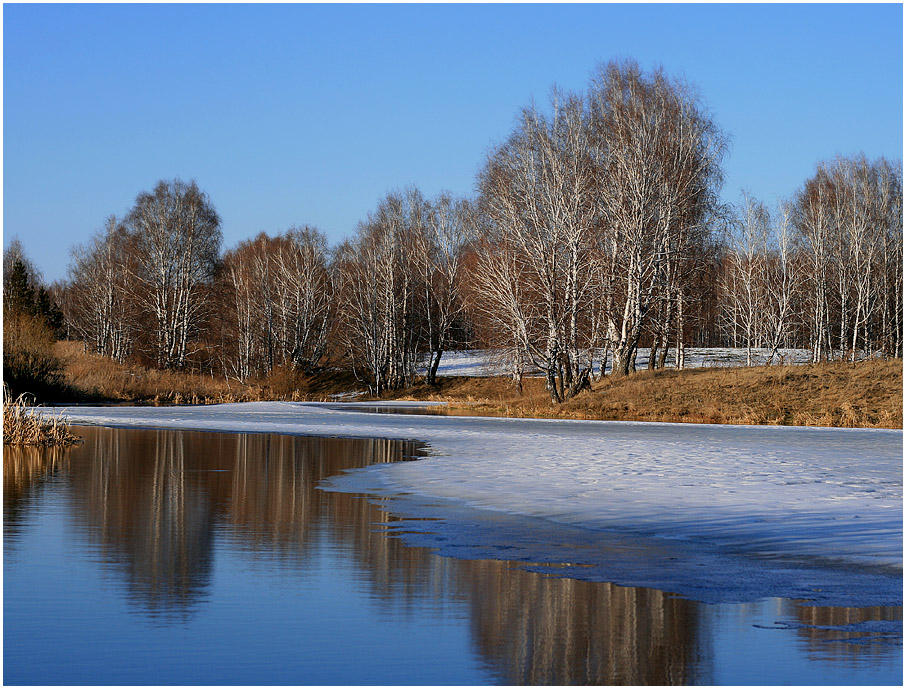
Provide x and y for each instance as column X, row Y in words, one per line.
column 483, row 362
column 712, row 512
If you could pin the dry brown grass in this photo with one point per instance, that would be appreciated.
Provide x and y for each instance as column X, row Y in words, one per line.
column 100, row 378
column 22, row 427
column 29, row 362
column 283, row 383
column 868, row 394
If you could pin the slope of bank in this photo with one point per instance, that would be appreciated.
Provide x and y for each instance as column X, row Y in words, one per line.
column 93, row 378
column 867, row 394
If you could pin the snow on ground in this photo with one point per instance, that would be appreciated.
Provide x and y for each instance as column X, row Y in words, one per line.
column 773, row 493
column 483, row 362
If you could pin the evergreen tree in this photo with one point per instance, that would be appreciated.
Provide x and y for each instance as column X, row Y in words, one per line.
column 18, row 293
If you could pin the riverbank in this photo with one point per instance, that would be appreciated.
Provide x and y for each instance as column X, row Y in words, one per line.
column 867, row 394
column 93, row 378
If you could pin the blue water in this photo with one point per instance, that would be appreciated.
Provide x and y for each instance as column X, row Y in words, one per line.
column 163, row 557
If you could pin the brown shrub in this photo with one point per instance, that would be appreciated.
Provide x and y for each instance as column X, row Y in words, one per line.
column 287, row 383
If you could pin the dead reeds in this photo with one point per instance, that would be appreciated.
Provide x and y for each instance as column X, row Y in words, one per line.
column 21, row 426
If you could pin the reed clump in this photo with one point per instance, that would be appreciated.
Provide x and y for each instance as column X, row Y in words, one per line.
column 21, row 426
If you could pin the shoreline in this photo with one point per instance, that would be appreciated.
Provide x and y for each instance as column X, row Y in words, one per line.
column 867, row 394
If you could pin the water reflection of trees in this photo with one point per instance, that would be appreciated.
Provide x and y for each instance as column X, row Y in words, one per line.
column 136, row 497
column 541, row 630
column 153, row 501
column 840, row 634
column 24, row 468
column 272, row 502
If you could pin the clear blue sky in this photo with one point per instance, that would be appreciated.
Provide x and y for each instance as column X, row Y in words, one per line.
column 295, row 114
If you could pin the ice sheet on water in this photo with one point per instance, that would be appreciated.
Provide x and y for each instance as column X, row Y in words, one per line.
column 725, row 497
column 688, row 567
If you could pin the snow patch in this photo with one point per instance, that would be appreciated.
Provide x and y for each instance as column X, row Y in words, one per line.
column 486, row 362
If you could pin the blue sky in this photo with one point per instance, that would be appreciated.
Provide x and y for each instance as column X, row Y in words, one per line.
column 309, row 114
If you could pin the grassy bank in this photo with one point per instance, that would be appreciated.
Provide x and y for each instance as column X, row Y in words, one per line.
column 97, row 378
column 865, row 394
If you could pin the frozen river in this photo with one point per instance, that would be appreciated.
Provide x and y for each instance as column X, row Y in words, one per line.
column 510, row 552
column 738, row 512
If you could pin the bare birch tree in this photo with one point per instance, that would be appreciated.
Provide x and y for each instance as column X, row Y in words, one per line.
column 814, row 227
column 848, row 219
column 782, row 282
column 745, row 281
column 305, row 293
column 175, row 231
column 244, row 290
column 99, row 308
column 501, row 304
column 891, row 326
column 283, row 300
column 538, row 194
column 438, row 250
column 658, row 157
column 377, row 292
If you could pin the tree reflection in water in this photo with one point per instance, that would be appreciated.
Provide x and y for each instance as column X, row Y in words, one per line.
column 823, row 624
column 155, row 503
column 25, row 469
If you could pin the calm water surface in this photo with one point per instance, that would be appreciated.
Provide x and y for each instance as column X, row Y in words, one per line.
column 165, row 557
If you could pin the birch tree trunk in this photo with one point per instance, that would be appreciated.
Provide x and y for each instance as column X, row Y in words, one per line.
column 99, row 309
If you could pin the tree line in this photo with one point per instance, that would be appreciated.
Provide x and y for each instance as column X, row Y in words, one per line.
column 596, row 230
